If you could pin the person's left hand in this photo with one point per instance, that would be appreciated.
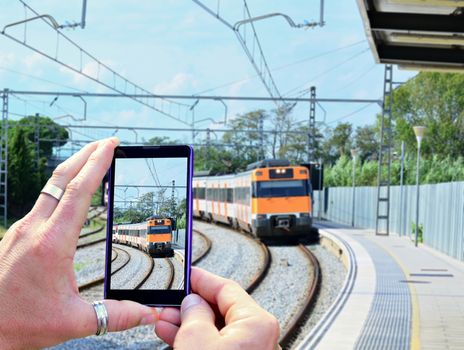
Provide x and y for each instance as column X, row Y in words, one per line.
column 39, row 299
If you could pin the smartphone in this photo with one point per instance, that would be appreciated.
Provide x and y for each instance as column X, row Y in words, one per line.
column 149, row 225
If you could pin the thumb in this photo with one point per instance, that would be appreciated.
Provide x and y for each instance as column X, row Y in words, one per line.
column 197, row 327
column 127, row 314
column 122, row 315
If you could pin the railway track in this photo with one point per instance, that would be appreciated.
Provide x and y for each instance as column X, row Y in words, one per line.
column 117, row 253
column 260, row 275
column 301, row 309
column 199, row 256
column 290, row 332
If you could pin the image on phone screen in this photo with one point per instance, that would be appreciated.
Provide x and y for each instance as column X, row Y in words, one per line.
column 149, row 223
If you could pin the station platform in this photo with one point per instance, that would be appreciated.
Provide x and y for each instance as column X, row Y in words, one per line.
column 395, row 296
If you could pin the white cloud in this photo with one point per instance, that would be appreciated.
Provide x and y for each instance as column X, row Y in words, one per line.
column 33, row 60
column 7, row 58
column 177, row 83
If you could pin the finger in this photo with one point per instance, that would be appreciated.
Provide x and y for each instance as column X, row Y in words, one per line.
column 244, row 318
column 197, row 323
column 168, row 324
column 71, row 212
column 166, row 331
column 171, row 315
column 62, row 175
column 219, row 291
column 122, row 315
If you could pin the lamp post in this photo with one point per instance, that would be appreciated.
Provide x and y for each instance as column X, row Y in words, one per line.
column 320, row 189
column 419, row 131
column 401, row 188
column 354, row 153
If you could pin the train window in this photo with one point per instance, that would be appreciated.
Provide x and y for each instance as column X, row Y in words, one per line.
column 200, row 193
column 281, row 173
column 230, row 195
column 292, row 188
column 195, row 194
column 242, row 195
column 223, row 194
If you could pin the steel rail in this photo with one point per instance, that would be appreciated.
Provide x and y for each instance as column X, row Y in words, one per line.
column 312, row 339
column 170, row 280
column 97, row 230
column 150, row 270
column 289, row 334
column 99, row 240
column 95, row 282
column 205, row 252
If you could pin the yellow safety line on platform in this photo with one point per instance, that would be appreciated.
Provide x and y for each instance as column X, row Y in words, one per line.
column 415, row 326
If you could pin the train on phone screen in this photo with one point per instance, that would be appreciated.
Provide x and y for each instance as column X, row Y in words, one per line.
column 271, row 199
column 153, row 236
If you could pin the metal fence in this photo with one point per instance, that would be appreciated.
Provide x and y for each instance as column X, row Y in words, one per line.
column 441, row 212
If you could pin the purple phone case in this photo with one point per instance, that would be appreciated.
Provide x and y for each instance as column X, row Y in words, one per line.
column 188, row 250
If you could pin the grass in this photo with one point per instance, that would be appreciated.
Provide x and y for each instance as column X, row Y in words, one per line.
column 3, row 229
column 79, row 266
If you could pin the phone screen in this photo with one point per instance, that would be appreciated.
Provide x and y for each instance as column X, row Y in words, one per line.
column 148, row 246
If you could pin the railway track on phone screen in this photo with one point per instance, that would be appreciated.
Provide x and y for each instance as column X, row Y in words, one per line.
column 131, row 269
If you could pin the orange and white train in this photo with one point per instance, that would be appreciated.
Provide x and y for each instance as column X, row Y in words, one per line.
column 153, row 236
column 270, row 199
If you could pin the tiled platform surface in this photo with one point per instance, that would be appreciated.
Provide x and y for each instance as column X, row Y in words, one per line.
column 414, row 296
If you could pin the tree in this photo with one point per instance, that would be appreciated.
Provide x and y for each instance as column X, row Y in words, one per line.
column 339, row 140
column 24, row 181
column 161, row 140
column 27, row 171
column 244, row 139
column 435, row 100
column 282, row 121
column 366, row 141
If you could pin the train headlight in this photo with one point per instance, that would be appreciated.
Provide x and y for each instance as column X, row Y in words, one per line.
column 304, row 215
column 261, row 217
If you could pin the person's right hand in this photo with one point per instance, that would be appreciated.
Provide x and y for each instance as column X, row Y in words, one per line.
column 221, row 316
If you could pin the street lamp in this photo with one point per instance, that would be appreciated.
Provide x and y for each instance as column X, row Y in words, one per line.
column 419, row 131
column 354, row 153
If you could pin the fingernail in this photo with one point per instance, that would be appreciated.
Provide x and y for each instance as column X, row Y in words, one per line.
column 115, row 140
column 189, row 301
column 148, row 319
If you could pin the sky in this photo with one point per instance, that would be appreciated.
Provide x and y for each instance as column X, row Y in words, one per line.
column 135, row 172
column 175, row 47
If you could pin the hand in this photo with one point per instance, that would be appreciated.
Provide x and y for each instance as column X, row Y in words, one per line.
column 39, row 300
column 221, row 316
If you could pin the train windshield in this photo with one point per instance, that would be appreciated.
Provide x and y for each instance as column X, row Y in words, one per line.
column 159, row 229
column 291, row 188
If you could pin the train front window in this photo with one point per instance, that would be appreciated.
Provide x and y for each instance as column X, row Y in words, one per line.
column 159, row 229
column 291, row 188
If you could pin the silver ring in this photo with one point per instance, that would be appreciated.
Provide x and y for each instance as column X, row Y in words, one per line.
column 53, row 191
column 102, row 317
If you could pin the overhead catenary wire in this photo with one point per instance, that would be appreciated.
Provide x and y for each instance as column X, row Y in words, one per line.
column 357, row 78
column 334, row 67
column 117, row 82
column 279, row 68
column 349, row 114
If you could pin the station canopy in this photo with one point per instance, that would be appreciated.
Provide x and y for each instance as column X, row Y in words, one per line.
column 416, row 34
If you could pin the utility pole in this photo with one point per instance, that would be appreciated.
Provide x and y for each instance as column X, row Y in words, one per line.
column 261, row 137
column 382, row 226
column 312, row 125
column 173, row 198
column 208, row 143
column 4, row 158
